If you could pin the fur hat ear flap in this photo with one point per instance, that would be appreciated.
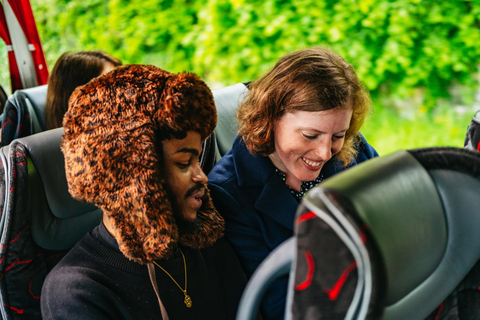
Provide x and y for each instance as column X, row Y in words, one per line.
column 147, row 232
column 112, row 133
column 212, row 229
column 119, row 172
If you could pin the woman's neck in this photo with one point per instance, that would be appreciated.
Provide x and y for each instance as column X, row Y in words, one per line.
column 290, row 179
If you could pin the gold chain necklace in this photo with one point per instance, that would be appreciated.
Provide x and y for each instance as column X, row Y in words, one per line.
column 187, row 300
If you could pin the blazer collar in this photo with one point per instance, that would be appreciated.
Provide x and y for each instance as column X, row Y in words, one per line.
column 252, row 170
column 274, row 200
column 277, row 202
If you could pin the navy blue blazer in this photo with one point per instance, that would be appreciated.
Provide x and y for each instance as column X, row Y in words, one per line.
column 259, row 210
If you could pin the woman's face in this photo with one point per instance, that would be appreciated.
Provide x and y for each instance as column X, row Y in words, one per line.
column 305, row 140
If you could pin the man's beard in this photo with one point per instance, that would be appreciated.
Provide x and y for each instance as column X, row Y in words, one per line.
column 188, row 226
column 185, row 226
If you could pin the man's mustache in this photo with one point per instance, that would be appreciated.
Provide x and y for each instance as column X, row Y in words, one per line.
column 195, row 188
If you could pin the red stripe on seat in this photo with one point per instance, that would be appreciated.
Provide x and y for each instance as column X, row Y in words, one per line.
column 311, row 268
column 305, row 217
column 337, row 287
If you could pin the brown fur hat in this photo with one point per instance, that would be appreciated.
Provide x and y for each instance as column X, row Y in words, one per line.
column 112, row 147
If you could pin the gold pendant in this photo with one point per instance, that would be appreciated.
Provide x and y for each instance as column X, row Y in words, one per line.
column 188, row 301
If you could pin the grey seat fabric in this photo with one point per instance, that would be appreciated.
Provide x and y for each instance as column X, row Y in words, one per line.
column 37, row 98
column 57, row 221
column 227, row 101
column 409, row 223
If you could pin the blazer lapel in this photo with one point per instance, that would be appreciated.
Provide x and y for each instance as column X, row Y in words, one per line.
column 277, row 202
column 274, row 201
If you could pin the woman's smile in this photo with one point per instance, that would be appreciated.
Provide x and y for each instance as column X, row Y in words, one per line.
column 312, row 165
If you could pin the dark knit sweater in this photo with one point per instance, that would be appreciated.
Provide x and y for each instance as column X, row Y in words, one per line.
column 95, row 281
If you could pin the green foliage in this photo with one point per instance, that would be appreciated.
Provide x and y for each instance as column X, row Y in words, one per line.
column 389, row 132
column 148, row 32
column 395, row 45
column 4, row 72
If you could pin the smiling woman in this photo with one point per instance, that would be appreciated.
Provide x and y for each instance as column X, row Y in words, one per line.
column 298, row 125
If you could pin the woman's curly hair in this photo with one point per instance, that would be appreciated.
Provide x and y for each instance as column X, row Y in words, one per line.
column 312, row 79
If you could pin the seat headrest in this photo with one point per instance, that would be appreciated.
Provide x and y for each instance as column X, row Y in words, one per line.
column 388, row 195
column 227, row 101
column 24, row 114
column 472, row 137
column 37, row 97
column 3, row 98
column 417, row 206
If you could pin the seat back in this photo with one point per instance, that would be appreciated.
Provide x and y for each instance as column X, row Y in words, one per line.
column 227, row 101
column 395, row 237
column 24, row 114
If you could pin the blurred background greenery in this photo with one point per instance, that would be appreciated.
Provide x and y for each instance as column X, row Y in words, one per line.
column 420, row 59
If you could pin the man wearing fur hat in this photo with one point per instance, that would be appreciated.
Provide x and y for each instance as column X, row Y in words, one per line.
column 132, row 143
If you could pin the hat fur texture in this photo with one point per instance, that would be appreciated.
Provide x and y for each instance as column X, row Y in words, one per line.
column 113, row 154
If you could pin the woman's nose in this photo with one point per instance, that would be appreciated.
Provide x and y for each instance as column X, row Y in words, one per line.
column 324, row 150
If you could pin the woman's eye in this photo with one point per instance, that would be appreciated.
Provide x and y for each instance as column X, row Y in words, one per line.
column 310, row 137
column 339, row 137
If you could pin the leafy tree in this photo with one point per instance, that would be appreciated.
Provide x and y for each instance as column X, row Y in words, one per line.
column 396, row 46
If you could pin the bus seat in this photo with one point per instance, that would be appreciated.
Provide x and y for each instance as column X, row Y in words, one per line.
column 40, row 220
column 227, row 100
column 24, row 114
column 208, row 156
column 395, row 237
column 3, row 99
column 472, row 138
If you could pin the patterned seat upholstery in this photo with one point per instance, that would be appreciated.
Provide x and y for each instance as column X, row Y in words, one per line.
column 24, row 114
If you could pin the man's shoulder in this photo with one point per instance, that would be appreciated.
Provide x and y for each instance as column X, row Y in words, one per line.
column 67, row 278
column 221, row 253
column 74, row 260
